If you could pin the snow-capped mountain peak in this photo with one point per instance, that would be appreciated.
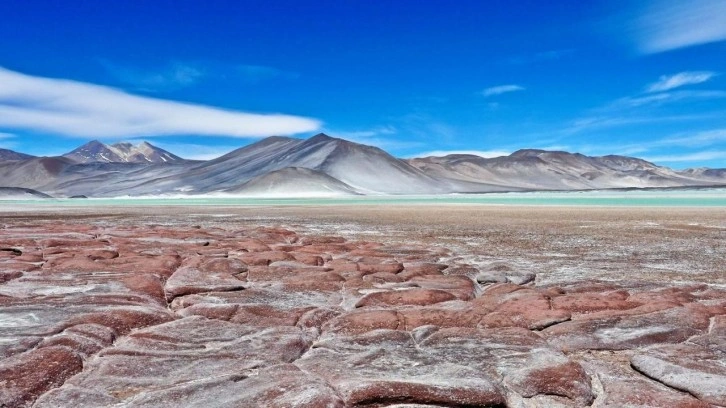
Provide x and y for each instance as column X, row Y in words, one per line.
column 97, row 152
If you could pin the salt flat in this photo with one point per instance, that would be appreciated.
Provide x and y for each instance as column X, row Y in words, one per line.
column 375, row 305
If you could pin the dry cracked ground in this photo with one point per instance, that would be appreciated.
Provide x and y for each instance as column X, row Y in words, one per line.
column 372, row 307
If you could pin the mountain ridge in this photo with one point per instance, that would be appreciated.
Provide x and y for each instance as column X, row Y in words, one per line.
column 332, row 165
column 7, row 154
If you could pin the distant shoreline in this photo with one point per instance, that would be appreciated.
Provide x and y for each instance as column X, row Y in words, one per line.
column 697, row 197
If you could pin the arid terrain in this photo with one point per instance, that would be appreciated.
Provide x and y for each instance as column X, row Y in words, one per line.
column 363, row 306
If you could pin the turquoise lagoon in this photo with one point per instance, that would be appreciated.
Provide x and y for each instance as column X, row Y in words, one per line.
column 714, row 197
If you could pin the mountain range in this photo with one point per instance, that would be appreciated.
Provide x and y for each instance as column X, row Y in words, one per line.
column 326, row 166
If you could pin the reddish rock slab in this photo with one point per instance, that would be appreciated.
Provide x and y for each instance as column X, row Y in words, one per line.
column 278, row 386
column 547, row 373
column 263, row 307
column 172, row 359
column 499, row 272
column 6, row 275
column 190, row 280
column 272, row 235
column 411, row 297
column 459, row 314
column 364, row 320
column 697, row 370
column 321, row 240
column 30, row 257
column 672, row 325
column 121, row 320
column 26, row 376
column 309, row 259
column 508, row 305
column 460, row 286
column 146, row 284
column 681, row 294
column 519, row 358
column 589, row 302
column 251, row 245
column 342, row 265
column 299, row 274
column 162, row 265
column 621, row 386
column 250, row 315
column 388, row 267
column 10, row 269
column 382, row 278
column 84, row 345
column 412, row 270
column 280, row 296
column 385, row 367
column 264, row 258
column 26, row 322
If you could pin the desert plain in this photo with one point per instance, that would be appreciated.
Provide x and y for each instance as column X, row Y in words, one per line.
column 363, row 306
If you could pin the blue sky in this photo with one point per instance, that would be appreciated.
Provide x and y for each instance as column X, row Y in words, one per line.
column 643, row 78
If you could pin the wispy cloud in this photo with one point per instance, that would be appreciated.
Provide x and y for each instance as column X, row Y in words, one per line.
column 688, row 157
column 591, row 123
column 7, row 140
column 682, row 142
column 630, row 102
column 363, row 134
column 648, row 107
column 175, row 75
column 501, row 89
column 384, row 137
column 79, row 109
column 666, row 25
column 480, row 153
column 697, row 139
column 668, row 82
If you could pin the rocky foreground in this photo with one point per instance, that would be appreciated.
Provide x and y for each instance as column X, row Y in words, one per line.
column 142, row 315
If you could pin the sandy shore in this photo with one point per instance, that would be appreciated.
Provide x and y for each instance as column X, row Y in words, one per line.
column 363, row 306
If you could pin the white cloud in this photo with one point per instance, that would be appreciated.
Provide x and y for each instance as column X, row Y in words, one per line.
column 501, row 89
column 482, row 153
column 668, row 82
column 668, row 25
column 4, row 135
column 79, row 109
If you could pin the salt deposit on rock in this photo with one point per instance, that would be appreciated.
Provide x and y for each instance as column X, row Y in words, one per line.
column 142, row 316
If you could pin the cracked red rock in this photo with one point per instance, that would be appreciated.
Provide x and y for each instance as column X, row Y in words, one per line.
column 149, row 315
